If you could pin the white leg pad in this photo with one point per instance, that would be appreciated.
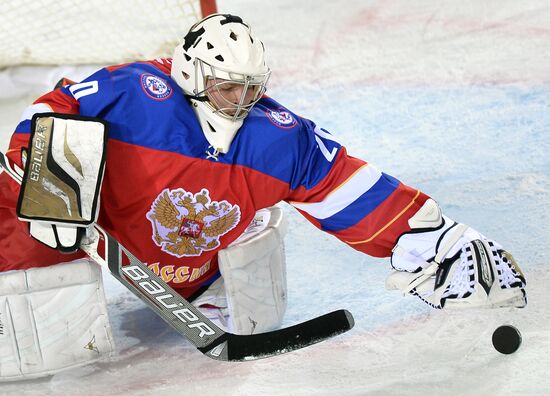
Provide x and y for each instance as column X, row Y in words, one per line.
column 213, row 304
column 52, row 319
column 253, row 294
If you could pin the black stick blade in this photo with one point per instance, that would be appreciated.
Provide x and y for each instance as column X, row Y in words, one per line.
column 258, row 346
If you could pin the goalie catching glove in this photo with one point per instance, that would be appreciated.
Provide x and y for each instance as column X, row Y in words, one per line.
column 64, row 167
column 447, row 264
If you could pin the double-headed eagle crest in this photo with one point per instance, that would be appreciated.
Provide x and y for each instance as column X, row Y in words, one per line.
column 186, row 225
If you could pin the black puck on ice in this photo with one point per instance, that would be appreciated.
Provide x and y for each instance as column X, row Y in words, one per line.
column 506, row 339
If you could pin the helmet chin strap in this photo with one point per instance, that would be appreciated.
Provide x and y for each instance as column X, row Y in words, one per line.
column 197, row 98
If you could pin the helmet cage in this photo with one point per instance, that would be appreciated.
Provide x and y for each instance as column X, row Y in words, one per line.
column 216, row 82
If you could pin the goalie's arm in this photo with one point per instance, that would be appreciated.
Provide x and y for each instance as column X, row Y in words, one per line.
column 442, row 262
column 349, row 197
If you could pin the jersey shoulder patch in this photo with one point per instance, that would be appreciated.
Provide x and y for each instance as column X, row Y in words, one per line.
column 155, row 87
column 277, row 114
column 281, row 118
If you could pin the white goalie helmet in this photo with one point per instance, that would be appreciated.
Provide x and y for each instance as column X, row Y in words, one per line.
column 221, row 68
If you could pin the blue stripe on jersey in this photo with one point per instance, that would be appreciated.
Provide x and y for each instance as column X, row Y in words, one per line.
column 23, row 127
column 363, row 206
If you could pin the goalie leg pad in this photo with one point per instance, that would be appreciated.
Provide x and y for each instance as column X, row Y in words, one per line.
column 51, row 319
column 253, row 295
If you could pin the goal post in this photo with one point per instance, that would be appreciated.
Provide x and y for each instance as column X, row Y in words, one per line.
column 58, row 32
column 208, row 7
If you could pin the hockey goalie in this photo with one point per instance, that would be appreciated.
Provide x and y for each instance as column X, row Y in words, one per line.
column 184, row 161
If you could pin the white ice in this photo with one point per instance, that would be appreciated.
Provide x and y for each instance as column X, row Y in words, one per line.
column 452, row 97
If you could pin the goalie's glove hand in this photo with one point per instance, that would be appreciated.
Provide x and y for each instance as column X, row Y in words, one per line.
column 447, row 264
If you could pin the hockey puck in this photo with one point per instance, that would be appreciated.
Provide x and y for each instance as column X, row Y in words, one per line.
column 506, row 339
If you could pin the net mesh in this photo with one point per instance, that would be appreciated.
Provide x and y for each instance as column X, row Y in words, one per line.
column 57, row 32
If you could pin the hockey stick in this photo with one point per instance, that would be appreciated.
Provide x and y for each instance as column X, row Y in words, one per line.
column 186, row 319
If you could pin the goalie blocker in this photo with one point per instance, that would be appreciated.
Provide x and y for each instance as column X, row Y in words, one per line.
column 64, row 168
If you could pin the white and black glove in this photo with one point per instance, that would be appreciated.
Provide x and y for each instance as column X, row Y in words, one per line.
column 448, row 264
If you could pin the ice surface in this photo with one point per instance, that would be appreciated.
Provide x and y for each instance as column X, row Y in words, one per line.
column 452, row 97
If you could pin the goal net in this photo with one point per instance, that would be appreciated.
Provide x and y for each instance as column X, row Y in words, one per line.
column 56, row 32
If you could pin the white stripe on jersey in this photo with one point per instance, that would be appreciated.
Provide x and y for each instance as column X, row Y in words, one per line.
column 345, row 194
column 34, row 109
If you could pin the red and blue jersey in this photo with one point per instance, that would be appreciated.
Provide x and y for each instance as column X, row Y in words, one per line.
column 174, row 201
